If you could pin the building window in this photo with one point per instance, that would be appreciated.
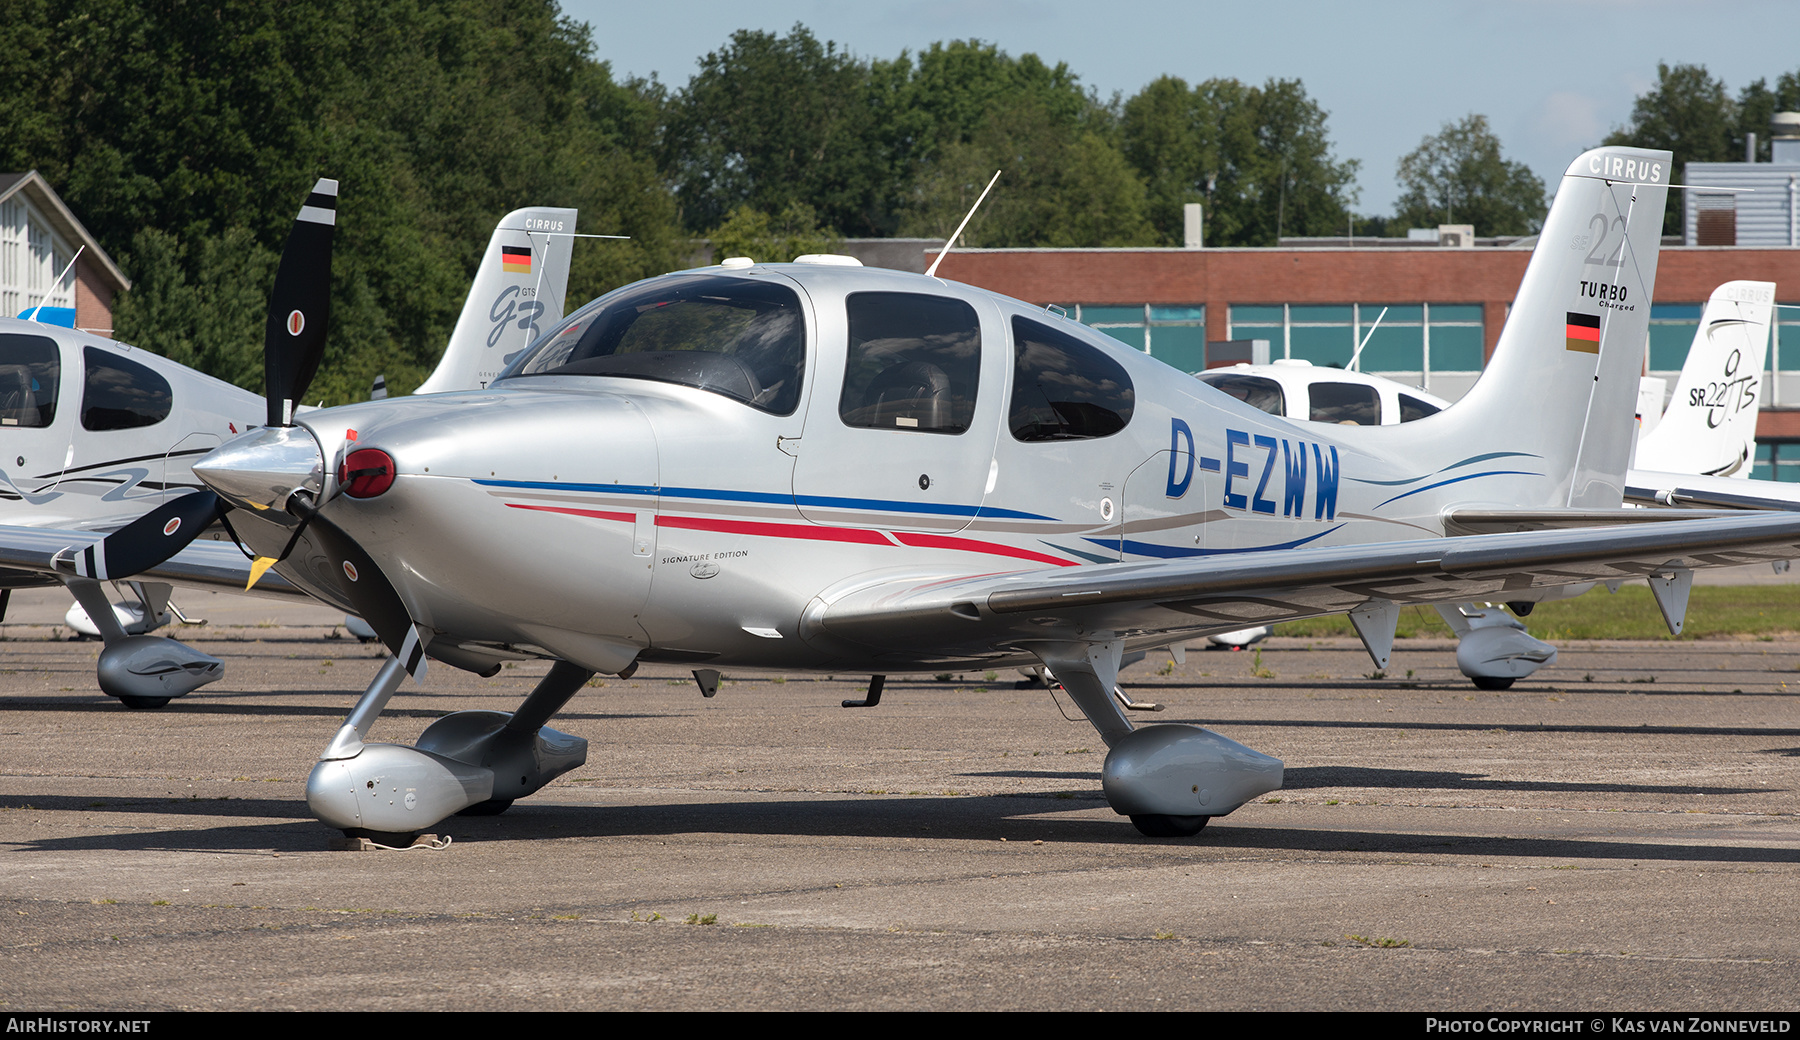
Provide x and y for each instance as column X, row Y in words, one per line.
column 1672, row 327
column 1777, row 460
column 1405, row 340
column 1175, row 335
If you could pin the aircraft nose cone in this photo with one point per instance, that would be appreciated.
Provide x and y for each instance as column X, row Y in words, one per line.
column 263, row 467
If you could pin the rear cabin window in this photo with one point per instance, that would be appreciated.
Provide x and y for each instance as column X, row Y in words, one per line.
column 118, row 394
column 914, row 363
column 742, row 338
column 1063, row 388
column 1412, row 408
column 1348, row 404
column 1255, row 391
column 30, row 369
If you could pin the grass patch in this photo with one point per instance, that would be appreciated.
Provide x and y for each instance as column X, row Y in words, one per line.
column 1714, row 611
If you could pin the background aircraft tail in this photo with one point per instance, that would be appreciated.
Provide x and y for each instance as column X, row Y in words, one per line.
column 1562, row 384
column 1710, row 425
column 517, row 294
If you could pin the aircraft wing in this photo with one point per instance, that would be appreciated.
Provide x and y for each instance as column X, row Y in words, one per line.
column 1691, row 491
column 1139, row 602
column 1498, row 521
column 214, row 566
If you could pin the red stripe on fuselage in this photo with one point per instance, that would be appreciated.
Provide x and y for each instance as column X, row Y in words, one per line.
column 767, row 530
column 938, row 541
column 810, row 532
column 598, row 514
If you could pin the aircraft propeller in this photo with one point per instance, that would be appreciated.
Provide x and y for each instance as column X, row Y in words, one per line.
column 293, row 344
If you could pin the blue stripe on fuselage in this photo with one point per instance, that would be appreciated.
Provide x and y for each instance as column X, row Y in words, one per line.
column 721, row 495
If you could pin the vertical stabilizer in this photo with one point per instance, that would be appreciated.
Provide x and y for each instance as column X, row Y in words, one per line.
column 1710, row 427
column 517, row 294
column 1563, row 379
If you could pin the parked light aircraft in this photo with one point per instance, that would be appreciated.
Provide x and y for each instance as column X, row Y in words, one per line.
column 94, row 432
column 814, row 465
column 1709, row 430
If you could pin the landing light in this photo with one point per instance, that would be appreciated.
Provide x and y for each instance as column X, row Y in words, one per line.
column 366, row 473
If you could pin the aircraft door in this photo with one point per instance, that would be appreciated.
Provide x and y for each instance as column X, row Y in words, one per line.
column 904, row 415
column 1165, row 504
column 121, row 448
column 36, row 422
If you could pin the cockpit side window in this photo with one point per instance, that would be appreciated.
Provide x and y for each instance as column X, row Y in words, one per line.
column 119, row 394
column 1064, row 389
column 1347, row 404
column 1412, row 408
column 30, row 371
column 1262, row 394
column 914, row 363
column 740, row 337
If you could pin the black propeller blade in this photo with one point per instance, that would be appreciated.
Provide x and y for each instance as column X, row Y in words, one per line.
column 373, row 595
column 151, row 538
column 300, row 305
column 294, row 341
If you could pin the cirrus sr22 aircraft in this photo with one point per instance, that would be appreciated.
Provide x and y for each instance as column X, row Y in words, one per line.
column 817, row 466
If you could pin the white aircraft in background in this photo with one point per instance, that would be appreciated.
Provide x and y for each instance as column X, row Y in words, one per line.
column 818, row 466
column 1708, row 431
column 95, row 432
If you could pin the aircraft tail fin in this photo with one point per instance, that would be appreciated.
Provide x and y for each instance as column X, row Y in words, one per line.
column 1710, row 426
column 517, row 294
column 1562, row 384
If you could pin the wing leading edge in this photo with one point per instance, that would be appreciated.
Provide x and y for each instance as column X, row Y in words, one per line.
column 1146, row 603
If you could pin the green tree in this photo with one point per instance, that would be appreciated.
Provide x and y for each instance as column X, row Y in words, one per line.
column 769, row 121
column 1459, row 176
column 1063, row 183
column 185, row 134
column 1170, row 136
column 1688, row 113
column 1756, row 103
column 1258, row 158
column 795, row 231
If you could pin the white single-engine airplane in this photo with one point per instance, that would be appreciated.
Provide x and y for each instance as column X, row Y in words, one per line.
column 815, row 465
column 94, row 432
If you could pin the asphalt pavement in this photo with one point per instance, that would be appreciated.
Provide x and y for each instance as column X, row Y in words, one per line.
column 1616, row 833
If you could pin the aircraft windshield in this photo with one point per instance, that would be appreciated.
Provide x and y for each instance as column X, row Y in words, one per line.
column 739, row 337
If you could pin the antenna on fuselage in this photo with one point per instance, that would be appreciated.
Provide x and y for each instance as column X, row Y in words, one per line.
column 1365, row 341
column 45, row 302
column 932, row 270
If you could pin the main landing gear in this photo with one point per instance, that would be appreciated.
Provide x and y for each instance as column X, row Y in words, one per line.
column 1170, row 779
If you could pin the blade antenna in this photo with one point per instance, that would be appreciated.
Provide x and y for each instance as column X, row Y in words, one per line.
column 1365, row 342
column 36, row 313
column 932, row 271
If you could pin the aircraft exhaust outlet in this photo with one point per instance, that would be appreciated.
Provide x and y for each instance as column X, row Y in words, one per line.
column 154, row 669
column 1179, row 770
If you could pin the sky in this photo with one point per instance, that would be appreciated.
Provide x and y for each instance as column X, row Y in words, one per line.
column 1552, row 76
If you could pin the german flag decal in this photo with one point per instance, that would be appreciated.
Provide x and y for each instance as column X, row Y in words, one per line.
column 1583, row 333
column 518, row 259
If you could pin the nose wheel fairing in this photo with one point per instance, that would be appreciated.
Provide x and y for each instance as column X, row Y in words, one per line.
column 462, row 760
